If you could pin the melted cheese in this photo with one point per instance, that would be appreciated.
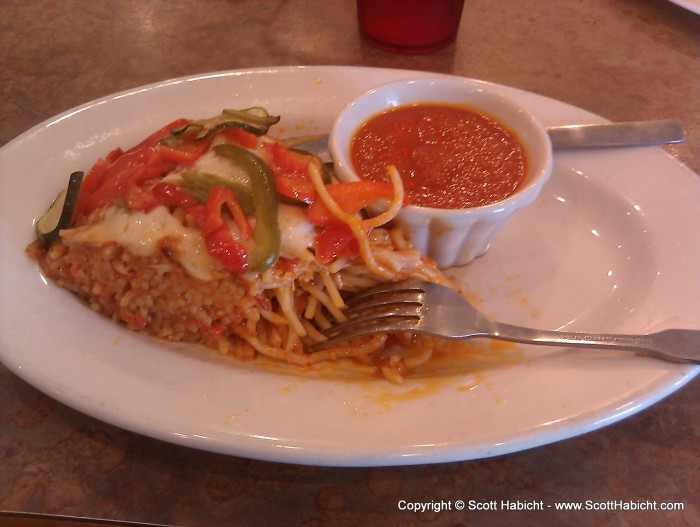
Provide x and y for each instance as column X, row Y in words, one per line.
column 143, row 234
column 297, row 234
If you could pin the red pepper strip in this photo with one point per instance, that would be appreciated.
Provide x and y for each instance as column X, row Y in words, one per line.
column 189, row 150
column 350, row 197
column 217, row 237
column 140, row 198
column 286, row 265
column 217, row 198
column 335, row 240
column 174, row 196
column 131, row 169
column 90, row 183
column 219, row 240
column 295, row 187
column 222, row 246
column 186, row 153
column 157, row 136
column 291, row 171
column 107, row 179
column 113, row 155
column 237, row 135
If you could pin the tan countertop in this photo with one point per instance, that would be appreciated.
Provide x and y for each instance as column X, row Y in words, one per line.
column 621, row 59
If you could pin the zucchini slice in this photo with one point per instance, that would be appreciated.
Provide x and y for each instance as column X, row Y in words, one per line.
column 60, row 212
column 255, row 120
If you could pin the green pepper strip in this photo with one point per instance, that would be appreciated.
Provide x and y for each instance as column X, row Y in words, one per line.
column 266, row 232
column 200, row 183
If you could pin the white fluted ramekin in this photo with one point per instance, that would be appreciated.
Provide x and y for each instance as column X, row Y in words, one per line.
column 451, row 237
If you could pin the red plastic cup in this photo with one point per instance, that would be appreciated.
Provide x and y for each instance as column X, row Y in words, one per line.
column 409, row 26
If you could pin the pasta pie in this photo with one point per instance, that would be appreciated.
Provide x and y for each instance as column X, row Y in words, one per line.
column 213, row 232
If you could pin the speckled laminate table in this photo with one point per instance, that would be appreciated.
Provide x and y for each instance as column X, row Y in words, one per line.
column 622, row 59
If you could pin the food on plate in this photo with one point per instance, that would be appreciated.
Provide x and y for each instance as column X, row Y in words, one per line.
column 211, row 231
column 449, row 156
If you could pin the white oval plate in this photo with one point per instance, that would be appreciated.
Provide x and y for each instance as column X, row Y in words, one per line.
column 609, row 246
column 690, row 5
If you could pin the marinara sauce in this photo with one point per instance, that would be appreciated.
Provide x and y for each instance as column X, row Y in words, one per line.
column 449, row 156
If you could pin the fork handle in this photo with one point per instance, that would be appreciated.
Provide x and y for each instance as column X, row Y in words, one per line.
column 677, row 345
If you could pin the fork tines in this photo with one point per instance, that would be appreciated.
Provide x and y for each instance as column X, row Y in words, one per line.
column 386, row 307
column 386, row 292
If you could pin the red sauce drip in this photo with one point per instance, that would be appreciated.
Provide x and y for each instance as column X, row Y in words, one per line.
column 449, row 157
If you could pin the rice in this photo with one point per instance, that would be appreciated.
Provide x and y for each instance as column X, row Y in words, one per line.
column 148, row 294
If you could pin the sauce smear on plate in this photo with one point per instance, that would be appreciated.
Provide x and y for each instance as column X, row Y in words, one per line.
column 449, row 156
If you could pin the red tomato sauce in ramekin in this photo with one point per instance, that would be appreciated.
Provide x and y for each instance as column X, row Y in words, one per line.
column 449, row 156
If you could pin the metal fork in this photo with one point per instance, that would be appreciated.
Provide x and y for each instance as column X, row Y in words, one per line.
column 423, row 307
